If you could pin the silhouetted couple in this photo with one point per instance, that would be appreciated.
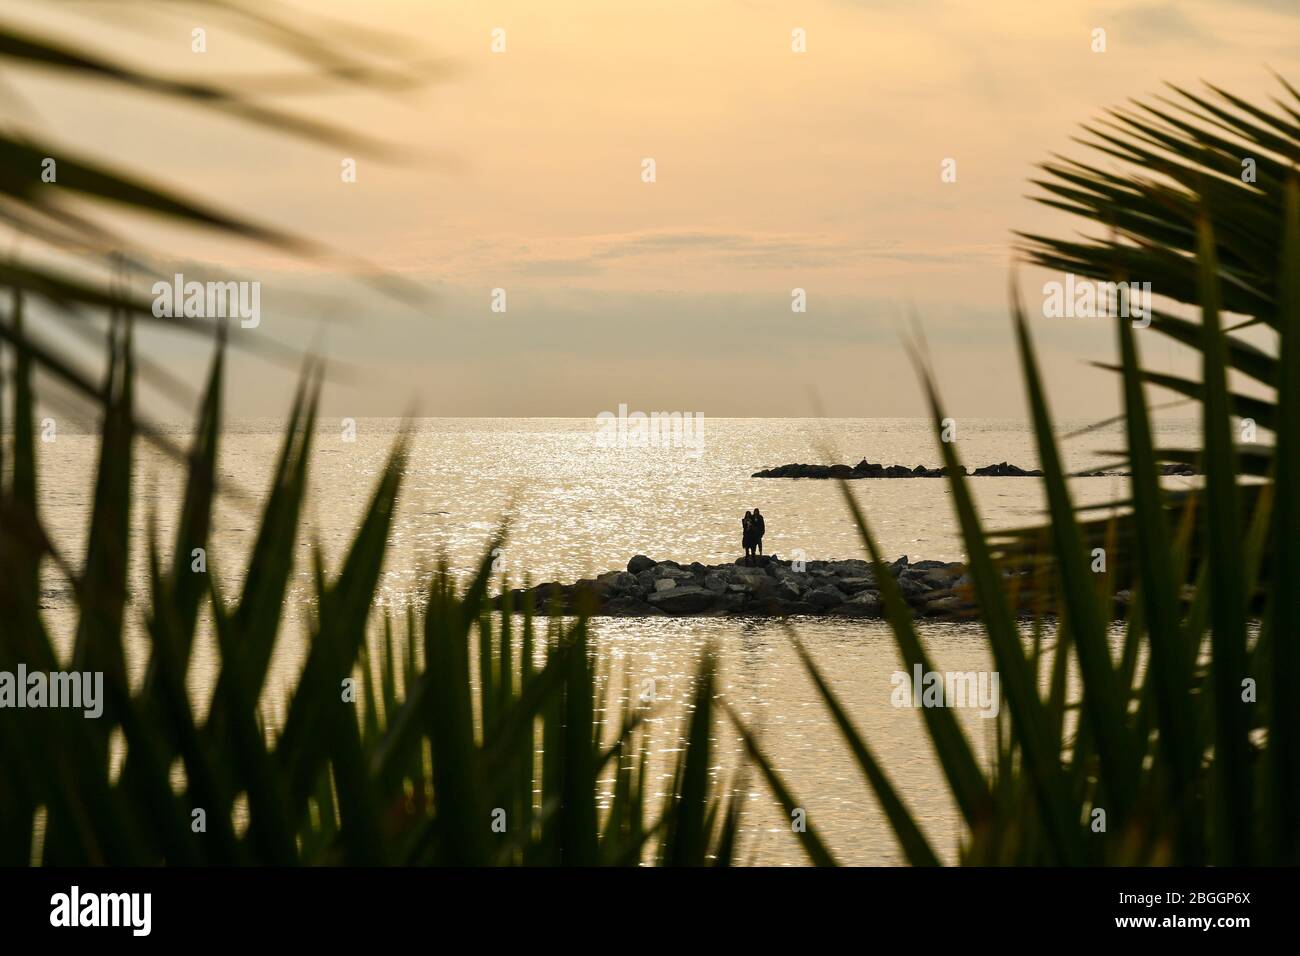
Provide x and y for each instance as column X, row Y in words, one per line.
column 752, row 528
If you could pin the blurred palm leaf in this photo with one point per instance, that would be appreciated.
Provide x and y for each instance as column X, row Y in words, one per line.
column 77, row 252
column 1174, row 761
column 344, row 779
column 394, row 767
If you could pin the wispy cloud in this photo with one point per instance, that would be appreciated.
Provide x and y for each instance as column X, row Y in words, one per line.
column 1159, row 22
column 699, row 249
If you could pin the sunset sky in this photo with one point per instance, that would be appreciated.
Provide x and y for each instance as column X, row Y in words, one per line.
column 775, row 170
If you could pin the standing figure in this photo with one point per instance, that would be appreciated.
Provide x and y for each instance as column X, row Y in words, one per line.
column 747, row 540
column 756, row 522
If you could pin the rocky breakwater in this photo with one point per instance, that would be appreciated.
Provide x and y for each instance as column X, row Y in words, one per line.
column 867, row 469
column 771, row 588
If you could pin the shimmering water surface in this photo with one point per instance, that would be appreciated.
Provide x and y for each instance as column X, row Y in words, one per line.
column 579, row 509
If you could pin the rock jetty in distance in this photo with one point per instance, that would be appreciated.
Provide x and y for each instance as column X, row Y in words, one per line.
column 866, row 469
column 770, row 588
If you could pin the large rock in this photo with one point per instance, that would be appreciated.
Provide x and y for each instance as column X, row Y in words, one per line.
column 715, row 581
column 752, row 580
column 684, row 600
column 863, row 604
column 593, row 593
column 730, row 601
column 618, row 581
column 672, row 571
column 788, row 590
column 825, row 596
column 1003, row 470
column 942, row 578
column 857, row 584
column 914, row 583
column 795, row 471
column 640, row 563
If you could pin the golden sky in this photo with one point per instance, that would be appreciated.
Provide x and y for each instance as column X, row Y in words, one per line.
column 775, row 170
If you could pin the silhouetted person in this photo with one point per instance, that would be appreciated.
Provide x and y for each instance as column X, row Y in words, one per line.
column 757, row 524
column 748, row 539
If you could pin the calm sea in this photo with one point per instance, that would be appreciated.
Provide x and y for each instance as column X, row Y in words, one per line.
column 580, row 508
